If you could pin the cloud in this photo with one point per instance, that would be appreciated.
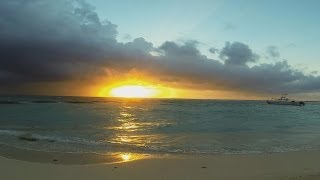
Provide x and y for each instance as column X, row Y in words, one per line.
column 187, row 66
column 61, row 41
column 51, row 40
column 237, row 53
column 140, row 44
column 127, row 37
column 273, row 51
column 213, row 50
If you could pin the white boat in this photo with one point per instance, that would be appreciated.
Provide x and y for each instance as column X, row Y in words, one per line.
column 283, row 100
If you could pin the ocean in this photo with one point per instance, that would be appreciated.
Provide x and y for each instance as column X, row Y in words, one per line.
column 156, row 126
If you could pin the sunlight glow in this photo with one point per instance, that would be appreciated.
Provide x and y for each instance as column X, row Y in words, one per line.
column 133, row 91
column 126, row 157
column 135, row 88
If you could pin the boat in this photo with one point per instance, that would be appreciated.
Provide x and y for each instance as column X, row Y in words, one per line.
column 283, row 100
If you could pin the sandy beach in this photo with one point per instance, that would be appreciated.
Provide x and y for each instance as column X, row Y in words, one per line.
column 276, row 166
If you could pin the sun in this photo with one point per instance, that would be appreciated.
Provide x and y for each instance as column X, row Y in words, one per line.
column 135, row 88
column 126, row 156
column 133, row 91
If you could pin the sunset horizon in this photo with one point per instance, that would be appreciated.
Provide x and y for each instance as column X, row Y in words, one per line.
column 159, row 89
column 79, row 48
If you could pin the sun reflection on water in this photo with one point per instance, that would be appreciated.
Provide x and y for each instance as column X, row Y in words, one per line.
column 128, row 120
column 130, row 132
column 127, row 157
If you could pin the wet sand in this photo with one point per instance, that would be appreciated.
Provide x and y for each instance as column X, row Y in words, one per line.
column 276, row 166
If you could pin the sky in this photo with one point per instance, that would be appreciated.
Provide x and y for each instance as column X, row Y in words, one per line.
column 291, row 26
column 224, row 49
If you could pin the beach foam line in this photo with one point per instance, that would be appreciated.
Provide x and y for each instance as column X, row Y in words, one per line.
column 95, row 146
column 31, row 136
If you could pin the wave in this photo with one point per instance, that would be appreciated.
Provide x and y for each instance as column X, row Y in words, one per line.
column 80, row 144
column 89, row 102
column 48, row 142
column 11, row 132
column 79, row 102
column 10, row 102
column 31, row 136
column 51, row 101
column 28, row 100
column 44, row 101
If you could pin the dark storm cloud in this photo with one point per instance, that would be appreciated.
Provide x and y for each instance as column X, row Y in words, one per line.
column 55, row 41
column 273, row 51
column 186, row 64
column 43, row 40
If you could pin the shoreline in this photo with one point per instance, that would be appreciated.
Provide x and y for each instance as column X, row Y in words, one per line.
column 92, row 158
column 68, row 158
column 274, row 166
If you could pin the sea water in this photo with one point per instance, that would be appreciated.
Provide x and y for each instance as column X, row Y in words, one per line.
column 156, row 126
